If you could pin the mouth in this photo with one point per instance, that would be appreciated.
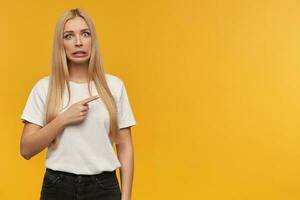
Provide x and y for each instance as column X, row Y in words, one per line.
column 79, row 53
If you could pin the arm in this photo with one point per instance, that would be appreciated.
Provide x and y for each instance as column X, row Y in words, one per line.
column 35, row 138
column 125, row 155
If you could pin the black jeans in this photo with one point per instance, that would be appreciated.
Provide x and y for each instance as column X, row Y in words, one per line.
column 58, row 185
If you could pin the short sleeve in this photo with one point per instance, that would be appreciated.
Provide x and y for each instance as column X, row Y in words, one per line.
column 34, row 108
column 125, row 114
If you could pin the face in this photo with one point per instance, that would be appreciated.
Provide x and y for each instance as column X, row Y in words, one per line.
column 77, row 40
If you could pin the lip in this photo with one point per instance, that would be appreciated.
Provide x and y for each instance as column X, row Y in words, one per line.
column 79, row 53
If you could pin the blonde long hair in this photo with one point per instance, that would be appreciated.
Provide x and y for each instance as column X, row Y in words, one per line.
column 59, row 75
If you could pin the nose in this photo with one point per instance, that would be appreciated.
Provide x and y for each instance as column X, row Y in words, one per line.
column 78, row 41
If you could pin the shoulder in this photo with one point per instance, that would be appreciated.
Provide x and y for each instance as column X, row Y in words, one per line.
column 113, row 79
column 41, row 85
column 114, row 82
column 42, row 81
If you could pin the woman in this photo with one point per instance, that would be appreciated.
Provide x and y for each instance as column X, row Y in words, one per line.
column 78, row 112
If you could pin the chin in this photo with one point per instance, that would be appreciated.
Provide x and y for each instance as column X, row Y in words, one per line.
column 79, row 61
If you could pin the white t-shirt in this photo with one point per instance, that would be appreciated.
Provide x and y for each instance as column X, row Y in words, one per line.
column 84, row 148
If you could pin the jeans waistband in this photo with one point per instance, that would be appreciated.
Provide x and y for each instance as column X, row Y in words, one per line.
column 82, row 176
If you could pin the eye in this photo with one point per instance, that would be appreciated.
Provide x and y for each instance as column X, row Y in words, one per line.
column 68, row 36
column 86, row 34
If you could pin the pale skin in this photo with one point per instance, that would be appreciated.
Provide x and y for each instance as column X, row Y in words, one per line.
column 35, row 138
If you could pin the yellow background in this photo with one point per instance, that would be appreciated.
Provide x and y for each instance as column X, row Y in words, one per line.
column 214, row 86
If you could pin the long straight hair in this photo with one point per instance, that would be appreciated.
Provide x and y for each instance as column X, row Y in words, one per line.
column 59, row 76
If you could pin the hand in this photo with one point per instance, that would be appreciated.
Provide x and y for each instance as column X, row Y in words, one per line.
column 77, row 112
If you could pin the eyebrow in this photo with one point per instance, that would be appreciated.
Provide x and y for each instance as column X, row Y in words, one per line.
column 85, row 29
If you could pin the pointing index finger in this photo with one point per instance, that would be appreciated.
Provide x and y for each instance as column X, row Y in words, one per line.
column 89, row 99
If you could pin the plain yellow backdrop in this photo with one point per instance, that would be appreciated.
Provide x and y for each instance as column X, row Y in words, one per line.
column 214, row 86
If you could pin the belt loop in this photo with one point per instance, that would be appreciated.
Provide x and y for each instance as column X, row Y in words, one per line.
column 62, row 175
column 94, row 177
column 80, row 179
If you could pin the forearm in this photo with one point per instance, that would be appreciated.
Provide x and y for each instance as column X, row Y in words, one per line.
column 36, row 142
column 126, row 157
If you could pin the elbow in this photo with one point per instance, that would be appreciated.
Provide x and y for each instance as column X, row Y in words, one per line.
column 25, row 156
column 24, row 153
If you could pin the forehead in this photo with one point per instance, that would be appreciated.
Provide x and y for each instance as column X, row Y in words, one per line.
column 74, row 24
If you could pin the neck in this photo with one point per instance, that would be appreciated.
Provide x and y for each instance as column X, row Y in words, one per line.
column 78, row 72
